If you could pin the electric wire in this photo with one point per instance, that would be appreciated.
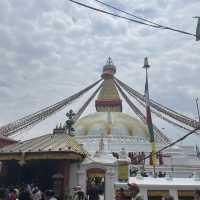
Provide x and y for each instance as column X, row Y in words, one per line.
column 127, row 13
column 109, row 13
column 162, row 149
column 144, row 19
column 132, row 20
column 173, row 143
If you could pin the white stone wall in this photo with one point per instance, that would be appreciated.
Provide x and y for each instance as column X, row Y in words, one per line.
column 110, row 177
column 73, row 176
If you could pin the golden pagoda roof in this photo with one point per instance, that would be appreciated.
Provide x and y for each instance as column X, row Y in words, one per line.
column 51, row 146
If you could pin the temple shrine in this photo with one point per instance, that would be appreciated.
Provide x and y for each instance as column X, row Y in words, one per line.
column 108, row 148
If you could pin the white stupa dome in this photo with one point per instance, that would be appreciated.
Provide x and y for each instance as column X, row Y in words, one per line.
column 110, row 123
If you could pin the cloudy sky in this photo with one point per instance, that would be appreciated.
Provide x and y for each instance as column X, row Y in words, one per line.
column 51, row 49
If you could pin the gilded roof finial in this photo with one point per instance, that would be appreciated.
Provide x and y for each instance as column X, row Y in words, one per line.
column 109, row 61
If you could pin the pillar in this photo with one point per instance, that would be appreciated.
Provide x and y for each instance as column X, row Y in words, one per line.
column 143, row 192
column 110, row 178
column 174, row 193
column 82, row 179
column 66, row 168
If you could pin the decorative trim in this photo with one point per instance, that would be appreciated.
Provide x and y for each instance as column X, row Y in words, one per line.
column 41, row 156
column 185, row 193
column 157, row 193
column 108, row 102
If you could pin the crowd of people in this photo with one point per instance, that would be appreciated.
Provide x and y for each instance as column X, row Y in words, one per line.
column 26, row 192
column 30, row 192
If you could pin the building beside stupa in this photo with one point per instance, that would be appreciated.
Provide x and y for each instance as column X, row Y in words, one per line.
column 109, row 132
column 101, row 141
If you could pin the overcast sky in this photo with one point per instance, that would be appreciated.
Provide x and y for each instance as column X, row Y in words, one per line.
column 51, row 49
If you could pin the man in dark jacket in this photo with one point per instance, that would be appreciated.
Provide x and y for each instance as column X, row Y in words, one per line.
column 79, row 194
column 197, row 195
column 24, row 194
column 2, row 194
column 93, row 192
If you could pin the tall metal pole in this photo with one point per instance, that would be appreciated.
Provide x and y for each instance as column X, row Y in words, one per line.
column 197, row 104
column 149, row 119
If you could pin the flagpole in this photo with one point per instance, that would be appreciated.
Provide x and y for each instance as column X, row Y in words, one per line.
column 149, row 119
column 197, row 99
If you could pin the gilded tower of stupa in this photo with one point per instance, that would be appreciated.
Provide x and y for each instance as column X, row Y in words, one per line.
column 108, row 99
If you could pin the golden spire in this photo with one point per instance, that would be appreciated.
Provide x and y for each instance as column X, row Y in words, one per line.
column 108, row 99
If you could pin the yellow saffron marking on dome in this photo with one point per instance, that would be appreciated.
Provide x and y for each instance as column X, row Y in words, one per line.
column 114, row 123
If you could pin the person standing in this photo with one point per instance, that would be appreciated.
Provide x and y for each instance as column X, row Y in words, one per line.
column 168, row 197
column 121, row 195
column 24, row 194
column 197, row 195
column 49, row 195
column 2, row 194
column 12, row 194
column 93, row 192
column 79, row 194
column 36, row 194
column 134, row 191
